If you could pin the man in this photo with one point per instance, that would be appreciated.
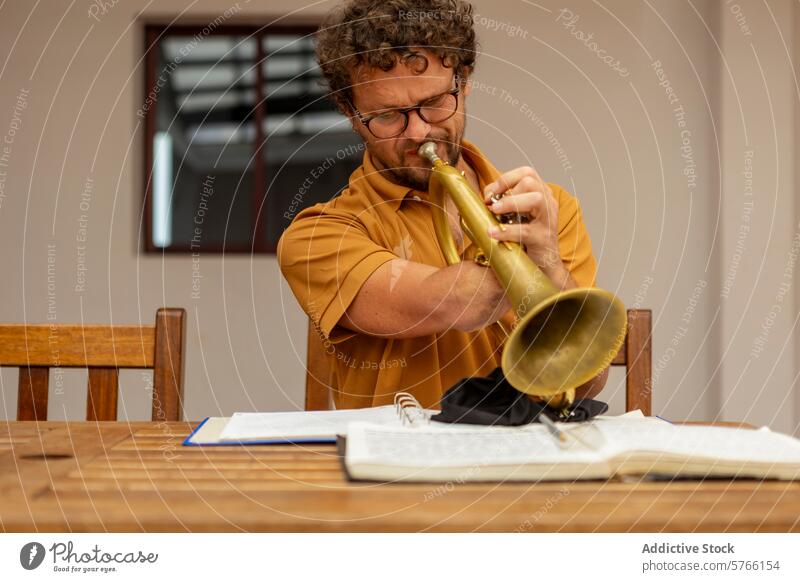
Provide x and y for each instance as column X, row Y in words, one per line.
column 367, row 267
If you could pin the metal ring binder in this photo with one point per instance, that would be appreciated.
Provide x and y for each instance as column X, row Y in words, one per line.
column 410, row 410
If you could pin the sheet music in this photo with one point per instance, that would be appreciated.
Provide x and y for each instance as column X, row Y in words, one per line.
column 608, row 437
column 442, row 445
column 699, row 441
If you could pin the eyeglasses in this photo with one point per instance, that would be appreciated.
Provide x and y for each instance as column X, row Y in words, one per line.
column 392, row 122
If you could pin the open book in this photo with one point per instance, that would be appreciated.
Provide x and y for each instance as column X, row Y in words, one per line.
column 265, row 428
column 598, row 449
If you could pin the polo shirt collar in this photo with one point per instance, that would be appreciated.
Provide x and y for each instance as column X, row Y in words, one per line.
column 485, row 170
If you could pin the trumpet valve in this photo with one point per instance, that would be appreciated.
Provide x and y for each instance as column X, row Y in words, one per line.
column 509, row 217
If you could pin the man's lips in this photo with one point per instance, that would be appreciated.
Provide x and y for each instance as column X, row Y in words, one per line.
column 415, row 150
column 413, row 153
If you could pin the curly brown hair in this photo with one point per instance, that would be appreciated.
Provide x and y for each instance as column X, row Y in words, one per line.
column 379, row 33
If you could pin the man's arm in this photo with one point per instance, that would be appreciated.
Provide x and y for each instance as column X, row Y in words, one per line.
column 403, row 299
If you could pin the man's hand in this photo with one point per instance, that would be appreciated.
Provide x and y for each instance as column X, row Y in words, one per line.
column 593, row 387
column 527, row 194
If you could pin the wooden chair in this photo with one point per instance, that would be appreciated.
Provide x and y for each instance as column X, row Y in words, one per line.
column 319, row 372
column 636, row 354
column 103, row 349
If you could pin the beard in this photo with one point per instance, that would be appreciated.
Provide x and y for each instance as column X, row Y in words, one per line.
column 413, row 171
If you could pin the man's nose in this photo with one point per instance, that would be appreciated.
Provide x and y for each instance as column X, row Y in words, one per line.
column 417, row 128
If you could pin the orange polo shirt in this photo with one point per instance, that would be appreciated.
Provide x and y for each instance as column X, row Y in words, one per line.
column 331, row 249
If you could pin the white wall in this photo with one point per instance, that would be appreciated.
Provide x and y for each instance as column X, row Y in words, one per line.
column 758, row 340
column 663, row 240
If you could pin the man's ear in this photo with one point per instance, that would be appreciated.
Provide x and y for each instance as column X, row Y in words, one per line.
column 358, row 128
column 466, row 84
column 354, row 122
column 346, row 110
column 356, row 125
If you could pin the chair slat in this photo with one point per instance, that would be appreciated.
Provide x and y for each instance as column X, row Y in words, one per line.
column 32, row 393
column 103, row 392
column 639, row 356
column 168, row 365
column 120, row 346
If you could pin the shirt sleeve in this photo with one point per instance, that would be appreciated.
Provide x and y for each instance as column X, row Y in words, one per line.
column 326, row 257
column 574, row 244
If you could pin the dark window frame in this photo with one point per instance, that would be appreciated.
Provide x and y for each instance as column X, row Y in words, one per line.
column 153, row 33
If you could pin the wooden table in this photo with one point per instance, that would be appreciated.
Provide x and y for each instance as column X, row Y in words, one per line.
column 88, row 476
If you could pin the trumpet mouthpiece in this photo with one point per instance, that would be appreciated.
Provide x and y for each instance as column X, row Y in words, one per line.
column 428, row 151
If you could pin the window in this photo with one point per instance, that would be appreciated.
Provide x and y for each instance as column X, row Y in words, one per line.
column 239, row 137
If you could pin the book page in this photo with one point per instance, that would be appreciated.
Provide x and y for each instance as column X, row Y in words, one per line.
column 461, row 446
column 245, row 426
column 209, row 432
column 710, row 442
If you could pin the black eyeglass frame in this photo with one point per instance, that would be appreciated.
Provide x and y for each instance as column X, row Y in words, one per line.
column 406, row 110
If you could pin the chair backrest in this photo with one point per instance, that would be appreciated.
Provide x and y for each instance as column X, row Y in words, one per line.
column 103, row 349
column 319, row 372
column 636, row 354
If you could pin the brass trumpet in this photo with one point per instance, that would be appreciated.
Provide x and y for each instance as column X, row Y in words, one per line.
column 561, row 339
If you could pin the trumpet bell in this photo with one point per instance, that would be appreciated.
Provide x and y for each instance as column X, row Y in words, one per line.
column 564, row 341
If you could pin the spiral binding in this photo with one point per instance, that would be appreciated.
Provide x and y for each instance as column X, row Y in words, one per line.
column 410, row 410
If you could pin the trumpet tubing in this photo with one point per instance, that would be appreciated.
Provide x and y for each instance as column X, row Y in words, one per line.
column 562, row 339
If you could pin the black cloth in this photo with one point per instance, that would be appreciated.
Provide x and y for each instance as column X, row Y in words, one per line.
column 493, row 401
